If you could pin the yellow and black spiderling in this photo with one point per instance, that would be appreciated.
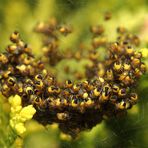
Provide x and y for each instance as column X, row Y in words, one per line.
column 29, row 90
column 14, row 37
column 106, row 90
column 97, row 30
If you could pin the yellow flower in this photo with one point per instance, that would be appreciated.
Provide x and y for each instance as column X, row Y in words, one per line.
column 19, row 115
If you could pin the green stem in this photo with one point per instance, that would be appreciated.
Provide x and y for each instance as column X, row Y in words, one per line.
column 11, row 137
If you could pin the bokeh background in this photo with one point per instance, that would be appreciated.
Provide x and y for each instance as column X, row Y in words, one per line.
column 22, row 15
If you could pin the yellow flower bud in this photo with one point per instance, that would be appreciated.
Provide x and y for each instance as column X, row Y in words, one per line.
column 16, row 109
column 20, row 128
column 15, row 101
column 27, row 112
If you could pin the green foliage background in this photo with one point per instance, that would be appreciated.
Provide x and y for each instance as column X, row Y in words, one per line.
column 22, row 15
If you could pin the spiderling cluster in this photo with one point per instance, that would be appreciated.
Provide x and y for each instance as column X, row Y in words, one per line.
column 109, row 88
